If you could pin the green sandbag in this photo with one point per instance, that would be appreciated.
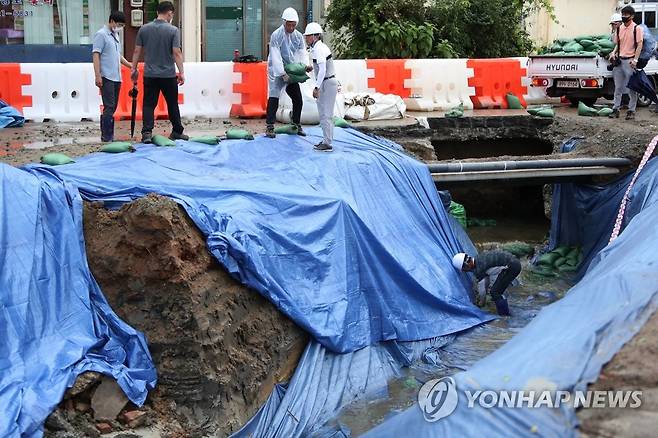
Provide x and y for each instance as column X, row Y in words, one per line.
column 544, row 271
column 562, row 250
column 564, row 41
column 459, row 212
column 604, row 112
column 341, row 123
column 571, row 48
column 584, row 110
column 286, row 129
column 513, row 102
column 519, row 249
column 605, row 44
column 206, row 139
column 586, row 43
column 559, row 262
column 548, row 259
column 56, row 159
column 567, row 268
column 534, row 111
column 573, row 263
column 556, row 48
column 546, row 113
column 582, row 37
column 573, row 254
column 239, row 134
column 161, row 140
column 298, row 79
column 455, row 113
column 118, row 147
column 295, row 68
column 590, row 54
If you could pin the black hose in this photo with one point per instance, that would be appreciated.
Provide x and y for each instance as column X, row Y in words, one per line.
column 458, row 167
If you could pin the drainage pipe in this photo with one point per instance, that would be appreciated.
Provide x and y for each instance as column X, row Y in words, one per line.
column 460, row 166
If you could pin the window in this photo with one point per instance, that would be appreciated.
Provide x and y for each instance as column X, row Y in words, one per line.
column 650, row 19
column 52, row 21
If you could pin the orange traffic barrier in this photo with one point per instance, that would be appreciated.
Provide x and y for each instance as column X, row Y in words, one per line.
column 493, row 79
column 252, row 89
column 389, row 77
column 124, row 106
column 11, row 86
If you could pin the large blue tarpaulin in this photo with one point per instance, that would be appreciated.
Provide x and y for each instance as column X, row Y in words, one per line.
column 54, row 321
column 567, row 344
column 354, row 246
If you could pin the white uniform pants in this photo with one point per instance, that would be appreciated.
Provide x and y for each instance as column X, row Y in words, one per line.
column 326, row 103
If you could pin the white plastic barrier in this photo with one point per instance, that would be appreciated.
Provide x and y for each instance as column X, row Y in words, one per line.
column 536, row 95
column 62, row 92
column 438, row 84
column 353, row 75
column 310, row 114
column 208, row 89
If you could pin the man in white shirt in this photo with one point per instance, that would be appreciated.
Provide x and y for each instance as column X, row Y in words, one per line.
column 326, row 84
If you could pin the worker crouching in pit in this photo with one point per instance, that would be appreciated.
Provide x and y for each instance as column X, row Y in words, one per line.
column 495, row 271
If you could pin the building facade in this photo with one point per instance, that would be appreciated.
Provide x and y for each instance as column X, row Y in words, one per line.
column 211, row 30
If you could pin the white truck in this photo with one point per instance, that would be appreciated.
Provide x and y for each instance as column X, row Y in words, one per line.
column 579, row 78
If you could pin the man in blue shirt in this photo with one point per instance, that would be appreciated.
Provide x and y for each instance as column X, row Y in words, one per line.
column 107, row 59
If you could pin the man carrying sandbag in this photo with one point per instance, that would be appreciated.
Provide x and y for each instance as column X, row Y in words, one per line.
column 286, row 47
column 495, row 272
column 326, row 84
column 628, row 40
column 161, row 43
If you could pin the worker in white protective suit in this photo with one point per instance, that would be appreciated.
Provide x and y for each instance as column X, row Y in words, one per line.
column 326, row 84
column 286, row 47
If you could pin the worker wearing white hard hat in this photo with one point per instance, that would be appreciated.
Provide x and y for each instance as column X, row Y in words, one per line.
column 326, row 84
column 494, row 270
column 286, row 47
column 615, row 22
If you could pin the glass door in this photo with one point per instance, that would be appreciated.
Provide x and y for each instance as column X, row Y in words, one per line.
column 224, row 29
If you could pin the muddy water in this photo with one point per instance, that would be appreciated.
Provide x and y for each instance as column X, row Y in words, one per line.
column 526, row 300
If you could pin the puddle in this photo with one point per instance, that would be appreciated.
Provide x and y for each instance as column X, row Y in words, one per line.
column 526, row 300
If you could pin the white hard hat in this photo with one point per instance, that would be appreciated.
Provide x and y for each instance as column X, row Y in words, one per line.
column 290, row 14
column 458, row 260
column 313, row 29
column 615, row 17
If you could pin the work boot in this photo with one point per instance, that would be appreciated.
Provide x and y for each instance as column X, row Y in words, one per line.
column 322, row 147
column 630, row 115
column 502, row 307
column 147, row 138
column 614, row 114
column 269, row 132
column 177, row 136
column 300, row 131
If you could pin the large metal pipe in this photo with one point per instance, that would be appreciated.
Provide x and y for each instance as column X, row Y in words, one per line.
column 460, row 166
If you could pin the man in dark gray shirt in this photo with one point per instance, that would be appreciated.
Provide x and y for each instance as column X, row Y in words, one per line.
column 162, row 49
column 488, row 264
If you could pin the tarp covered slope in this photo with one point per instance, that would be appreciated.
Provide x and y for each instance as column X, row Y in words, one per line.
column 352, row 245
column 54, row 321
column 567, row 344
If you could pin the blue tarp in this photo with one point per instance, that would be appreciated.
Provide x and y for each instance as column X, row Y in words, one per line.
column 54, row 321
column 10, row 117
column 354, row 246
column 567, row 344
column 584, row 214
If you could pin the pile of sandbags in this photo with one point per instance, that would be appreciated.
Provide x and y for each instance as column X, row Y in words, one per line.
column 586, row 45
column 560, row 260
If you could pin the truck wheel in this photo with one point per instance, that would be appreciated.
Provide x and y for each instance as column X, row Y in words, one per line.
column 573, row 102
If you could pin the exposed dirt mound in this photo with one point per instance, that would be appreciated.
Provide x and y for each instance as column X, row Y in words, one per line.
column 634, row 367
column 219, row 347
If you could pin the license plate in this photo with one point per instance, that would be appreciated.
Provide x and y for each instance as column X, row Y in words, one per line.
column 568, row 84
